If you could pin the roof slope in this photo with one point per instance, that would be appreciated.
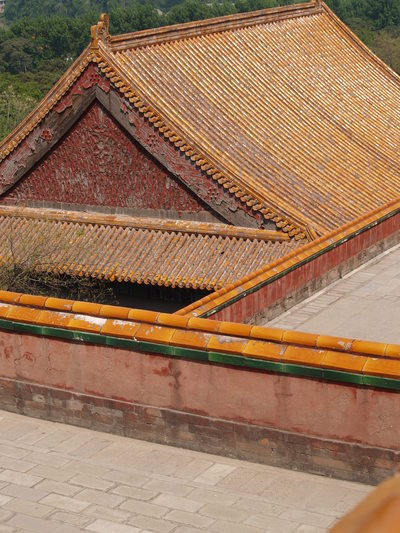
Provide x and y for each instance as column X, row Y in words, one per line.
column 136, row 250
column 283, row 107
column 293, row 109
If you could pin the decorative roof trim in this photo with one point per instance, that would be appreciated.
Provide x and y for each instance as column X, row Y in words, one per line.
column 124, row 221
column 100, row 32
column 215, row 25
column 119, row 78
column 45, row 105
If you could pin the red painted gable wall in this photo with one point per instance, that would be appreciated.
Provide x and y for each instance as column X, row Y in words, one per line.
column 98, row 164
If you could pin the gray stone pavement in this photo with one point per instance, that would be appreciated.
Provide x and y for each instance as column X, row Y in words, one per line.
column 56, row 478
column 365, row 304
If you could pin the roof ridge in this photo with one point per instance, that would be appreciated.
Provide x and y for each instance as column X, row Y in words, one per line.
column 358, row 42
column 126, row 221
column 214, row 25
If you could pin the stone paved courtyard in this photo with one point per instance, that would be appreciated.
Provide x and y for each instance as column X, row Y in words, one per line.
column 62, row 479
column 365, row 304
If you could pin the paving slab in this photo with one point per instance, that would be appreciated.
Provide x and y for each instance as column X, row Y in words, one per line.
column 104, row 483
column 363, row 305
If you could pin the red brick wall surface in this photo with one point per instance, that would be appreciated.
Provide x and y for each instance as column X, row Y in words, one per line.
column 98, row 164
column 284, row 402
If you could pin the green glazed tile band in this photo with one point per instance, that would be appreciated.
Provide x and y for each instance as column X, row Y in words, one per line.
column 201, row 355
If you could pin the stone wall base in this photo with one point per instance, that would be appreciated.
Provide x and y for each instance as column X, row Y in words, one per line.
column 296, row 451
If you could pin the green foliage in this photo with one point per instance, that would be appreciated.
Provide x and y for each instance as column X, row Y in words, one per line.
column 386, row 44
column 133, row 18
column 55, row 36
column 14, row 106
column 17, row 9
column 377, row 14
column 36, row 48
column 20, row 93
column 17, row 55
column 383, row 12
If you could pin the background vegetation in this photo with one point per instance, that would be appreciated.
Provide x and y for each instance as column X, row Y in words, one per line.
column 40, row 38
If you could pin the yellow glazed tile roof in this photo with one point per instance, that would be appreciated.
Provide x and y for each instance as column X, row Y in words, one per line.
column 138, row 250
column 290, row 108
column 283, row 107
column 268, row 272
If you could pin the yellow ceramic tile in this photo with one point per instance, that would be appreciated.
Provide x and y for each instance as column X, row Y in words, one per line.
column 372, row 348
column 86, row 308
column 190, row 339
column 120, row 328
column 204, row 324
column 153, row 333
column 299, row 337
column 141, row 315
column 235, row 329
column 59, row 304
column 303, row 356
column 11, row 297
column 264, row 350
column 344, row 361
column 113, row 311
column 269, row 334
column 23, row 314
column 389, row 368
column 33, row 300
column 174, row 321
column 223, row 343
column 334, row 343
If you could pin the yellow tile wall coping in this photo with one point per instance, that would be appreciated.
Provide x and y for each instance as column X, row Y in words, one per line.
column 227, row 293
column 255, row 342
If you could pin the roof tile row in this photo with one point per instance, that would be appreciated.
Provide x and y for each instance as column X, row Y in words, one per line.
column 211, row 335
column 261, row 276
column 136, row 250
column 248, row 347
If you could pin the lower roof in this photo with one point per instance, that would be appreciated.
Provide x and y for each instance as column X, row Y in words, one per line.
column 137, row 250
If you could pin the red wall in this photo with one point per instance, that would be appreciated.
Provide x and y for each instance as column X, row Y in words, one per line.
column 315, row 274
column 98, row 164
column 300, row 405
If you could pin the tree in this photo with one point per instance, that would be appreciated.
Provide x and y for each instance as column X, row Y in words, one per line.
column 13, row 108
column 387, row 44
column 27, row 265
column 16, row 55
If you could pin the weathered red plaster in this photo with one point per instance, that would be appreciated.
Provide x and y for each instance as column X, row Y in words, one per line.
column 88, row 79
column 17, row 167
column 307, row 406
column 98, row 164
